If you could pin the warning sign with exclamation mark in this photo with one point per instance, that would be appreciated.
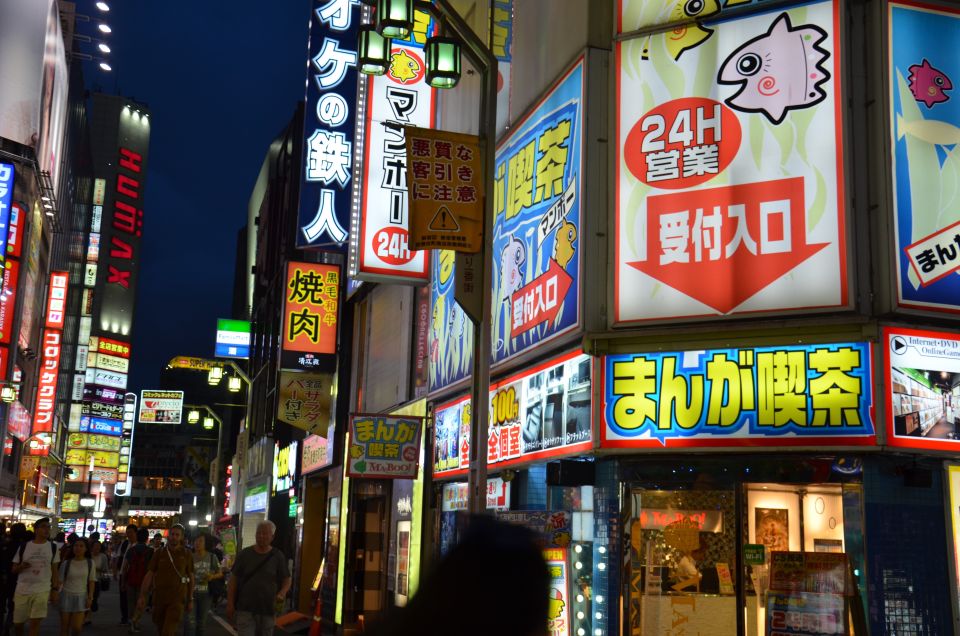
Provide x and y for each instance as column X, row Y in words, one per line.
column 444, row 221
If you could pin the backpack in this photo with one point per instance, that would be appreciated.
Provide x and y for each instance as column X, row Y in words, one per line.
column 23, row 547
column 66, row 567
column 137, row 560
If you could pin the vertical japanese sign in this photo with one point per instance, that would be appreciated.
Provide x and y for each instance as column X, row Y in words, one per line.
column 923, row 386
column 7, row 174
column 328, row 126
column 558, row 609
column 774, row 396
column 501, row 43
column 384, row 447
column 444, row 172
column 399, row 98
column 306, row 400
column 309, row 314
column 450, row 338
column 925, row 130
column 729, row 175
column 536, row 246
column 46, row 404
column 8, row 298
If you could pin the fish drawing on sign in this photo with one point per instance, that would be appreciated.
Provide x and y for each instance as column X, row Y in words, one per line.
column 778, row 71
column 563, row 244
column 512, row 258
column 928, row 84
column 403, row 67
column 687, row 36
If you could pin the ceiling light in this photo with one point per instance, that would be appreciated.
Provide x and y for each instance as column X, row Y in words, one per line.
column 103, row 6
column 103, row 47
column 105, row 66
column 104, row 28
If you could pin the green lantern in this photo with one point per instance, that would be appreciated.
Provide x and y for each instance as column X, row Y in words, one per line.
column 443, row 62
column 395, row 18
column 373, row 51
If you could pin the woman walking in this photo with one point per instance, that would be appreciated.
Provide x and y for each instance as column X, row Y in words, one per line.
column 101, row 565
column 76, row 593
column 206, row 567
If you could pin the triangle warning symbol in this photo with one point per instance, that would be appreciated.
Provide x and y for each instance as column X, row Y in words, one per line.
column 444, row 221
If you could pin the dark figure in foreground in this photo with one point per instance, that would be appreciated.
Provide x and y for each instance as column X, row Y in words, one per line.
column 494, row 565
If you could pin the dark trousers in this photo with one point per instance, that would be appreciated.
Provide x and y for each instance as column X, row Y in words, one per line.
column 124, row 611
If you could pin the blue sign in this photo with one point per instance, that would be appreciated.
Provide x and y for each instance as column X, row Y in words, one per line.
column 450, row 338
column 328, row 126
column 7, row 174
column 536, row 233
column 925, row 121
column 102, row 426
column 739, row 396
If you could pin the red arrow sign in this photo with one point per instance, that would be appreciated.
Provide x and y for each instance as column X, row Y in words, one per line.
column 539, row 300
column 722, row 246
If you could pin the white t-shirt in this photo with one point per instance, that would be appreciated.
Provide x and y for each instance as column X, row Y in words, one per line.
column 81, row 571
column 35, row 579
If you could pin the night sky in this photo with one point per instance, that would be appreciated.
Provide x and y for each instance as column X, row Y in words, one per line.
column 221, row 79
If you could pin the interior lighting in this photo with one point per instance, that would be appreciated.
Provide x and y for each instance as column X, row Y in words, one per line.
column 443, row 62
column 395, row 18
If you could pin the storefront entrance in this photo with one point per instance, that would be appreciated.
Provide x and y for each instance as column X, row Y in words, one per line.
column 701, row 536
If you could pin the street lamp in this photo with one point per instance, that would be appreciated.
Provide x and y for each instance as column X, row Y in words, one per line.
column 443, row 62
column 208, row 423
column 234, row 384
column 87, row 501
column 373, row 50
column 193, row 416
column 8, row 393
column 214, row 376
column 395, row 18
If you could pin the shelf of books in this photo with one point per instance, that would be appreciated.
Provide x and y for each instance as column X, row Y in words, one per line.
column 921, row 405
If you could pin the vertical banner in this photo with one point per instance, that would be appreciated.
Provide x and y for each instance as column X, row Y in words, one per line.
column 501, row 43
column 309, row 314
column 729, row 175
column 450, row 337
column 329, row 123
column 536, row 246
column 7, row 174
column 925, row 131
column 46, row 403
column 399, row 98
column 444, row 177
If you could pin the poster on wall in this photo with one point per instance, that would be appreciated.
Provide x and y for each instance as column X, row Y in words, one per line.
column 450, row 338
column 541, row 412
column 923, row 386
column 536, row 228
column 398, row 98
column 924, row 132
column 953, row 489
column 791, row 395
column 384, row 447
column 729, row 181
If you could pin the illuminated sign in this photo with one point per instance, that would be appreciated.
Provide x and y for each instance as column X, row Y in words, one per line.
column 110, row 346
column 102, row 409
column 107, row 362
column 328, row 128
column 46, row 402
column 57, row 299
column 384, row 447
column 536, row 232
column 8, row 298
column 284, row 467
column 256, row 499
column 233, row 339
column 316, row 451
column 101, row 459
column 161, row 407
column 450, row 336
column 102, row 394
column 380, row 248
column 502, row 48
column 124, row 483
column 71, row 502
column 924, row 128
column 923, row 388
column 193, row 364
column 729, row 184
column 309, row 314
column 456, row 495
column 101, row 425
column 541, row 412
column 15, row 231
column 790, row 395
column 6, row 201
column 305, row 400
column 103, row 377
column 18, row 421
column 93, row 441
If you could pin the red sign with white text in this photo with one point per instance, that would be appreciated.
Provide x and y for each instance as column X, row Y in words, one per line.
column 8, row 298
column 112, row 347
column 540, row 300
column 57, row 299
column 47, row 384
column 15, row 231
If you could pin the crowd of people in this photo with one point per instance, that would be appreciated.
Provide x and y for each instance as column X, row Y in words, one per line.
column 177, row 584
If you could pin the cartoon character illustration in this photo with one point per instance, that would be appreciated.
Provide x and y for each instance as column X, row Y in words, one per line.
column 563, row 244
column 557, row 604
column 512, row 258
column 437, row 325
column 403, row 67
column 928, row 84
column 778, row 71
column 688, row 36
column 356, row 451
column 456, row 322
column 932, row 131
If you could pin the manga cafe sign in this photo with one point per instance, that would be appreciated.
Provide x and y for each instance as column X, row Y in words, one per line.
column 730, row 184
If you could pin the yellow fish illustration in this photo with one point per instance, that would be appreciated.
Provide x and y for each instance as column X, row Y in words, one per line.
column 563, row 244
column 932, row 131
column 403, row 67
column 356, row 451
column 687, row 36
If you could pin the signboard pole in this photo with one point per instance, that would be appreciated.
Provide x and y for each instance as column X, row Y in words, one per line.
column 483, row 58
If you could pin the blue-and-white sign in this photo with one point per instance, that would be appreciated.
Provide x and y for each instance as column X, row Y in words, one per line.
column 7, row 173
column 536, row 233
column 328, row 126
column 101, row 425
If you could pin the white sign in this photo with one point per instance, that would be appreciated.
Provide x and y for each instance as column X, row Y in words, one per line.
column 161, row 407
column 103, row 377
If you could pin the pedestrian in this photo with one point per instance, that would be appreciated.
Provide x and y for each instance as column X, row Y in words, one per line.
column 170, row 576
column 129, row 542
column 37, row 578
column 76, row 593
column 206, row 568
column 259, row 582
column 100, row 564
column 134, row 571
column 157, row 542
column 8, row 549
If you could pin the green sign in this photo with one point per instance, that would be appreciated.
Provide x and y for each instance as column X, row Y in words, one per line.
column 754, row 554
column 292, row 512
column 233, row 339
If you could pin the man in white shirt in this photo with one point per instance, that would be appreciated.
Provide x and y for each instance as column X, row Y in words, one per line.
column 38, row 578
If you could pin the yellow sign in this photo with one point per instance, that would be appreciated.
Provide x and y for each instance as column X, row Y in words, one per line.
column 305, row 400
column 194, row 364
column 446, row 190
column 29, row 466
column 101, row 459
column 93, row 441
column 70, row 503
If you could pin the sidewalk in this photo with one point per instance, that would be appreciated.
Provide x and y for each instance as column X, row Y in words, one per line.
column 106, row 622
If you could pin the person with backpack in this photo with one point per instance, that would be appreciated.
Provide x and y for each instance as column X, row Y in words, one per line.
column 79, row 575
column 206, row 568
column 37, row 578
column 259, row 583
column 170, row 576
column 134, row 570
